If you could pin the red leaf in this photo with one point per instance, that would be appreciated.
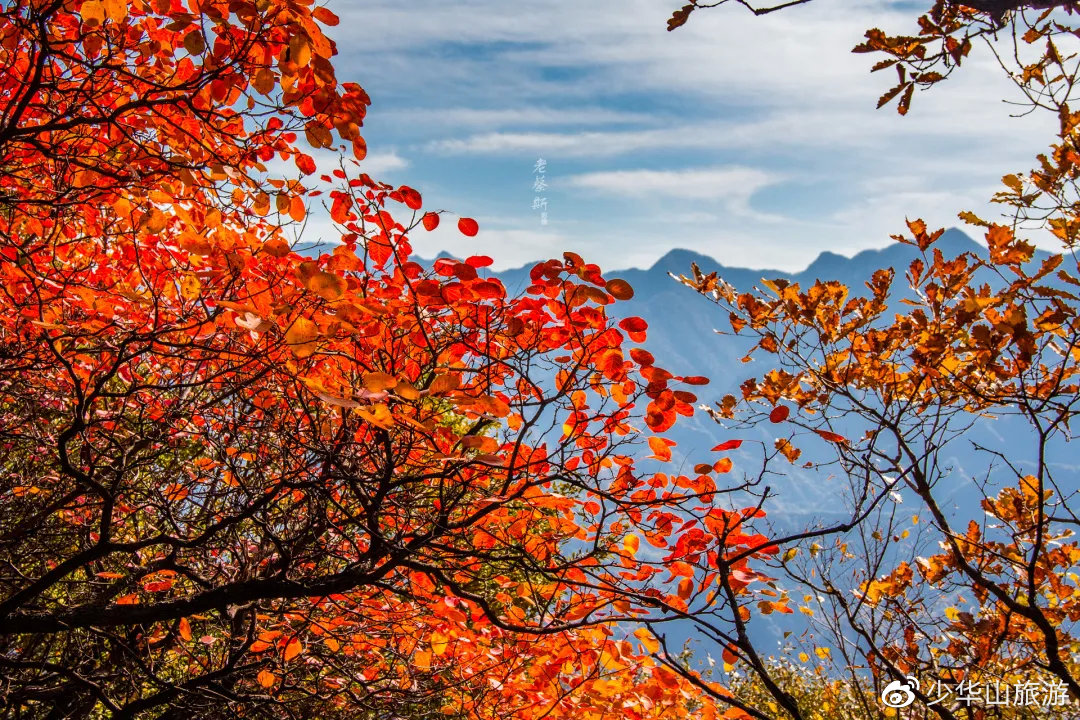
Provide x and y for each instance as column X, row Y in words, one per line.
column 468, row 227
column 696, row 380
column 478, row 261
column 779, row 414
column 634, row 325
column 306, row 163
column 410, row 197
column 729, row 445
column 620, row 289
column 642, row 357
column 431, row 221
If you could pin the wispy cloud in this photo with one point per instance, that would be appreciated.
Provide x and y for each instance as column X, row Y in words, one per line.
column 571, row 144
column 525, row 116
column 378, row 163
column 731, row 187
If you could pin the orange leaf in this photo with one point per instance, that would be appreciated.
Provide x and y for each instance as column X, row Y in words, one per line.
column 294, row 648
column 379, row 381
column 661, row 448
column 326, row 285
column 325, row 16
column 444, row 383
column 92, row 12
column 301, row 336
column 297, row 211
column 266, row 678
column 184, row 629
column 116, row 9
column 647, row 640
column 832, row 437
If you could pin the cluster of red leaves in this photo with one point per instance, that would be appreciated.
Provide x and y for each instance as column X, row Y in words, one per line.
column 326, row 482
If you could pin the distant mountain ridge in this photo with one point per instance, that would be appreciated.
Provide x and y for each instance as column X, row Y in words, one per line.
column 682, row 336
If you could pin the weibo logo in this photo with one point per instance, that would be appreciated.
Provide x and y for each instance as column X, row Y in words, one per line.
column 898, row 694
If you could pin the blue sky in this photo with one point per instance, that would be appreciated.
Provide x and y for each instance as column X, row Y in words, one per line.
column 753, row 140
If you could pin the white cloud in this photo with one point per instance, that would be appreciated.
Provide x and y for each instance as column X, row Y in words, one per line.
column 591, row 144
column 455, row 117
column 605, row 82
column 733, row 187
column 379, row 163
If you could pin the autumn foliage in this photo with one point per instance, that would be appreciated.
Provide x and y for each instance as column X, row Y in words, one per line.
column 243, row 481
column 884, row 384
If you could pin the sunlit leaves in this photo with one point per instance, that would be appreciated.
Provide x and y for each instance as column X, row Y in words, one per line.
column 92, row 12
column 350, row 424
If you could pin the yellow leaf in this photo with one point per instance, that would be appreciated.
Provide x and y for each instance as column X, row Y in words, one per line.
column 631, row 543
column 378, row 415
column 294, row 648
column 299, row 50
column 190, row 287
column 92, row 12
column 822, row 652
column 301, row 337
column 115, row 9
column 379, row 381
column 803, row 657
column 439, row 643
column 406, row 391
column 647, row 640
